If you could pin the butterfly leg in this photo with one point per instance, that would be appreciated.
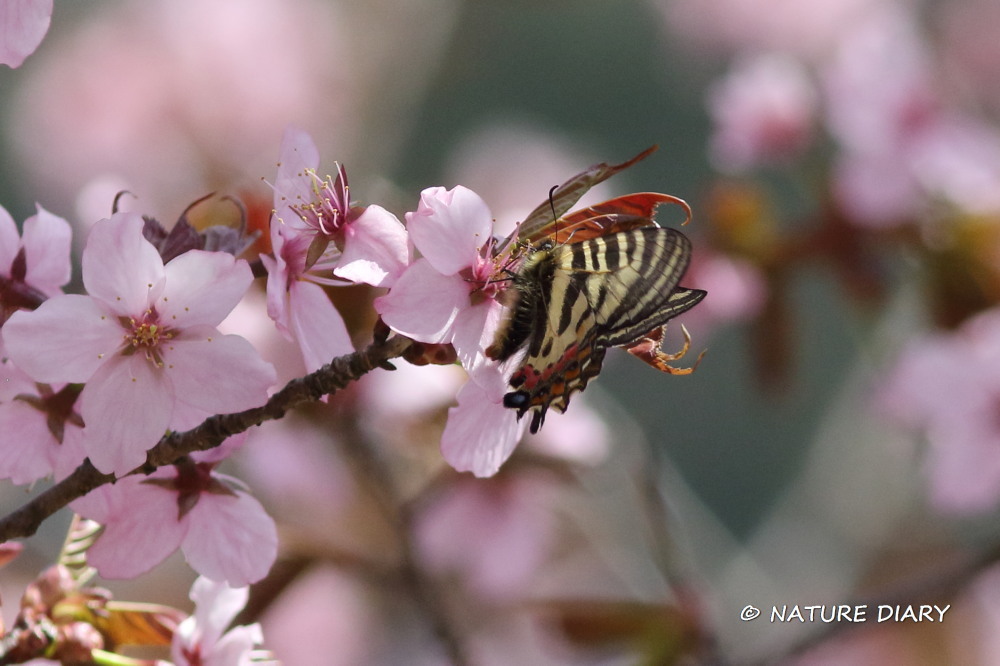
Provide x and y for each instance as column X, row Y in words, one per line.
column 648, row 349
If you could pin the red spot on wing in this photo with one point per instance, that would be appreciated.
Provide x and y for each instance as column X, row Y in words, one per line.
column 530, row 378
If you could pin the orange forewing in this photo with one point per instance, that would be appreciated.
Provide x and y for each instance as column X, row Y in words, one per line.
column 623, row 213
column 567, row 194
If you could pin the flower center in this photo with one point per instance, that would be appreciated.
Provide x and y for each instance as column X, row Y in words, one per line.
column 491, row 273
column 329, row 207
column 145, row 334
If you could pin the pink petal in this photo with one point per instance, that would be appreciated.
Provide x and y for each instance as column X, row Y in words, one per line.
column 298, row 155
column 99, row 503
column 480, row 434
column 126, row 406
column 423, row 303
column 216, row 604
column 140, row 531
column 13, row 380
column 47, row 240
column 27, row 448
column 23, row 24
column 201, row 288
column 231, row 539
column 505, row 538
column 474, row 330
column 71, row 453
column 317, row 325
column 229, row 446
column 277, row 292
column 218, row 373
column 10, row 241
column 963, row 471
column 235, row 645
column 450, row 227
column 120, row 267
column 376, row 249
column 64, row 340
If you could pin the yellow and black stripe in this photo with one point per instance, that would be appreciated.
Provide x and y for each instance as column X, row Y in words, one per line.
column 575, row 300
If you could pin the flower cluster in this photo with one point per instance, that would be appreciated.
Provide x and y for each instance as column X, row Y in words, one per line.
column 104, row 376
column 881, row 113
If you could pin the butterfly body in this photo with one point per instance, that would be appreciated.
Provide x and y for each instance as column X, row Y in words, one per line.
column 611, row 283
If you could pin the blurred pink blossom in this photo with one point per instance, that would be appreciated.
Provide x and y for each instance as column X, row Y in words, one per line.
column 293, row 465
column 325, row 618
column 23, row 24
column 946, row 386
column 506, row 530
column 764, row 112
column 144, row 340
column 389, row 396
column 880, row 99
column 903, row 141
column 805, row 29
column 180, row 98
column 580, row 435
column 969, row 49
column 738, row 291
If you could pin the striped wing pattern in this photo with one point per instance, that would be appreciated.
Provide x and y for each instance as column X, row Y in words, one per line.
column 576, row 300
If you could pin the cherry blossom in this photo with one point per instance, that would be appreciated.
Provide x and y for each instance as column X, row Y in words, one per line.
column 23, row 24
column 35, row 265
column 947, row 387
column 806, row 30
column 507, row 534
column 763, row 111
column 144, row 341
column 481, row 433
column 42, row 431
column 224, row 533
column 194, row 80
column 202, row 639
column 451, row 295
column 315, row 232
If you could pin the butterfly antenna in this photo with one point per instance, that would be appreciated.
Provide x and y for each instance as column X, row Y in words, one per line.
column 552, row 207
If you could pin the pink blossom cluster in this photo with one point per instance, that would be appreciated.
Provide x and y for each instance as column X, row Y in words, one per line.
column 865, row 78
column 104, row 375
column 883, row 112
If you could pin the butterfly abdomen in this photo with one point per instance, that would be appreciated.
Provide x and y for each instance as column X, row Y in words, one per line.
column 532, row 287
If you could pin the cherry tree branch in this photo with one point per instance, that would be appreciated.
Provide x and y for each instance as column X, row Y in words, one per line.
column 339, row 373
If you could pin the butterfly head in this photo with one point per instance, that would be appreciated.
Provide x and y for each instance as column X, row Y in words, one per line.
column 521, row 401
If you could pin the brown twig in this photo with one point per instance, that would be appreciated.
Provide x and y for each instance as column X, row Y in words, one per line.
column 340, row 372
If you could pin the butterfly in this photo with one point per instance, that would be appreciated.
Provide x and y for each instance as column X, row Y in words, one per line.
column 606, row 276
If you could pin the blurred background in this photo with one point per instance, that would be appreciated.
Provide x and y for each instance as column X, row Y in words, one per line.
column 840, row 441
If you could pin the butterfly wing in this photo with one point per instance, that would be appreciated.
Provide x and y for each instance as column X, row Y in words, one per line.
column 614, row 215
column 577, row 300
